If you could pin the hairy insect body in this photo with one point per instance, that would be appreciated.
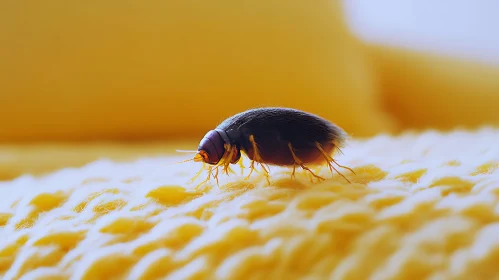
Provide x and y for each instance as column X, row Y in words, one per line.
column 273, row 136
column 274, row 129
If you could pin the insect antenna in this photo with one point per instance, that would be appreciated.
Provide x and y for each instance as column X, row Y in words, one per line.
column 187, row 160
column 186, row 151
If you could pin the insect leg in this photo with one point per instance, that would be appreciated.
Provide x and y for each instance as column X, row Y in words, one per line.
column 216, row 175
column 339, row 150
column 256, row 152
column 310, row 177
column 241, row 165
column 258, row 158
column 198, row 173
column 252, row 167
column 299, row 162
column 225, row 160
column 228, row 169
column 210, row 169
column 345, row 167
column 232, row 150
column 266, row 173
column 329, row 159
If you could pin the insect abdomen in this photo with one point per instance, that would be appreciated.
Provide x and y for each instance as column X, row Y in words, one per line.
column 274, row 128
column 279, row 153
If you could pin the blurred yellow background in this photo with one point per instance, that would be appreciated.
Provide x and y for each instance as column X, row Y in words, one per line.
column 171, row 70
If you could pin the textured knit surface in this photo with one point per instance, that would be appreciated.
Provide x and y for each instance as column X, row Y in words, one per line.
column 421, row 206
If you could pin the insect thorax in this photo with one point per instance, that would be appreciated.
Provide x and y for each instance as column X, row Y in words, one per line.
column 230, row 136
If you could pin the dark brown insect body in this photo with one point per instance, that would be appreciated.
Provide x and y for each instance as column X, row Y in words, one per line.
column 276, row 136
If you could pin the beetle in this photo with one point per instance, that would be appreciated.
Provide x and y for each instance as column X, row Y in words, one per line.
column 272, row 136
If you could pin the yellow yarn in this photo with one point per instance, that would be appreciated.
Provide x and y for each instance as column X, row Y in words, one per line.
column 422, row 206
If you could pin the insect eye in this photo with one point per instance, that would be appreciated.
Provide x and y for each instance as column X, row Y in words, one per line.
column 201, row 156
column 205, row 155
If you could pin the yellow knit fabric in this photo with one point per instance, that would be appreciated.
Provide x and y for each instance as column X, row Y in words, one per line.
column 421, row 206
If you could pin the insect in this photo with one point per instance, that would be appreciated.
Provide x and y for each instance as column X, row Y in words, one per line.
column 272, row 136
